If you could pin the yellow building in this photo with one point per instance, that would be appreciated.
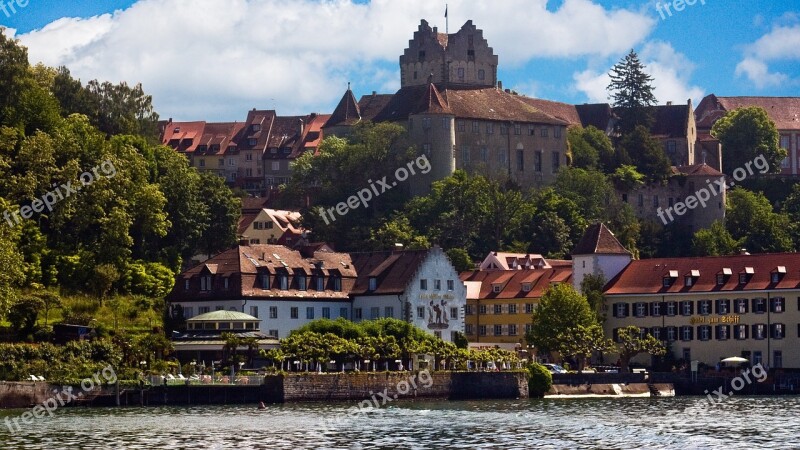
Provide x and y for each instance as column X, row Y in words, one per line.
column 500, row 302
column 711, row 308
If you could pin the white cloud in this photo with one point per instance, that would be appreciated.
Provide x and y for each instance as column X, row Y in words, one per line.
column 206, row 59
column 780, row 44
column 671, row 72
column 758, row 73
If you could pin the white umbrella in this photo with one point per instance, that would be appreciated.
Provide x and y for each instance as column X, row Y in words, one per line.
column 735, row 359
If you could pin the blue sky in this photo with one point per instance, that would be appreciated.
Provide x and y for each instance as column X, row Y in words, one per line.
column 214, row 60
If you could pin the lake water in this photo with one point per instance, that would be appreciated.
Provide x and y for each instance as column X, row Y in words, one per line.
column 659, row 423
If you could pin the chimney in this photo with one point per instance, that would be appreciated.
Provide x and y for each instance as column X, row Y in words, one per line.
column 669, row 103
column 499, row 85
column 374, row 93
column 744, row 252
column 300, row 124
column 244, row 241
column 398, row 247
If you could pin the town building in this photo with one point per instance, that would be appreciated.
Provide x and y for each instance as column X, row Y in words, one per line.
column 656, row 201
column 499, row 307
column 271, row 226
column 203, row 340
column 287, row 288
column 784, row 111
column 711, row 308
column 254, row 155
column 419, row 286
column 283, row 288
column 458, row 114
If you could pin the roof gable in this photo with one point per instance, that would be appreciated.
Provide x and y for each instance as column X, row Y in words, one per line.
column 598, row 239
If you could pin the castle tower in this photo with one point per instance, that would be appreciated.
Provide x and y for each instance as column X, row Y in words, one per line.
column 598, row 253
column 431, row 126
column 460, row 59
column 346, row 114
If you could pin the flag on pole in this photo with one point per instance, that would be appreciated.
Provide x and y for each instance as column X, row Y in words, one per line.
column 445, row 11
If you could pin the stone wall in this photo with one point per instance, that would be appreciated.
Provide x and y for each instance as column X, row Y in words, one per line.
column 22, row 394
column 360, row 386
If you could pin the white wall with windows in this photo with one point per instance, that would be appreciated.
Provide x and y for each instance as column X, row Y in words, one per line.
column 278, row 317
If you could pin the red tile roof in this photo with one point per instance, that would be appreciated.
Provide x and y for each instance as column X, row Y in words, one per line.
column 670, row 121
column 468, row 103
column 512, row 281
column 563, row 111
column 393, row 270
column 247, row 262
column 346, row 112
column 432, row 102
column 647, row 276
column 183, row 136
column 598, row 239
column 703, row 170
column 784, row 111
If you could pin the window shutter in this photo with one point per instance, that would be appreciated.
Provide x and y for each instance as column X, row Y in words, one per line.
column 627, row 310
column 616, row 334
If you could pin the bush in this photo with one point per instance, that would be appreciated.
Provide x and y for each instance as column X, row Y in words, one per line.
column 540, row 380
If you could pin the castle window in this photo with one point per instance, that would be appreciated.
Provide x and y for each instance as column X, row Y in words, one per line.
column 503, row 129
column 544, row 132
column 422, row 55
column 481, row 74
column 461, row 74
column 426, row 149
column 484, row 154
column 476, row 127
column 426, row 122
column 490, row 128
column 537, row 161
column 520, row 161
column 557, row 132
column 517, row 129
column 445, row 123
column 415, row 74
column 462, row 127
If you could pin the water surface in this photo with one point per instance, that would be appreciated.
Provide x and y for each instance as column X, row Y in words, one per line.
column 661, row 423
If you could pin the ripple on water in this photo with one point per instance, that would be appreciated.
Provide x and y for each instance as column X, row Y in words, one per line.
column 669, row 423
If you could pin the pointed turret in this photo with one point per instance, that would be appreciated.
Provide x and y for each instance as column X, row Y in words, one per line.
column 598, row 253
column 432, row 102
column 347, row 111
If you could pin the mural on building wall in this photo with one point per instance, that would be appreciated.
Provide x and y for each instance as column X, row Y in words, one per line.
column 437, row 312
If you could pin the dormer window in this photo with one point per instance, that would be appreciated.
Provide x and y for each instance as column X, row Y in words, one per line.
column 205, row 283
column 745, row 276
column 320, row 283
column 373, row 283
column 264, row 281
column 301, row 282
column 777, row 274
column 526, row 287
column 670, row 278
column 255, row 127
column 724, row 276
column 283, row 281
column 186, row 285
column 691, row 277
column 252, row 142
column 496, row 288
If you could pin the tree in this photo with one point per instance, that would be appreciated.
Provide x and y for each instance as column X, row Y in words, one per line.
column 584, row 156
column 745, row 134
column 715, row 240
column 50, row 300
column 460, row 259
column 632, row 91
column 561, row 309
column 626, row 178
column 647, row 154
column 224, row 212
column 540, row 380
column 631, row 342
column 582, row 342
column 23, row 315
column 751, row 221
column 592, row 288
